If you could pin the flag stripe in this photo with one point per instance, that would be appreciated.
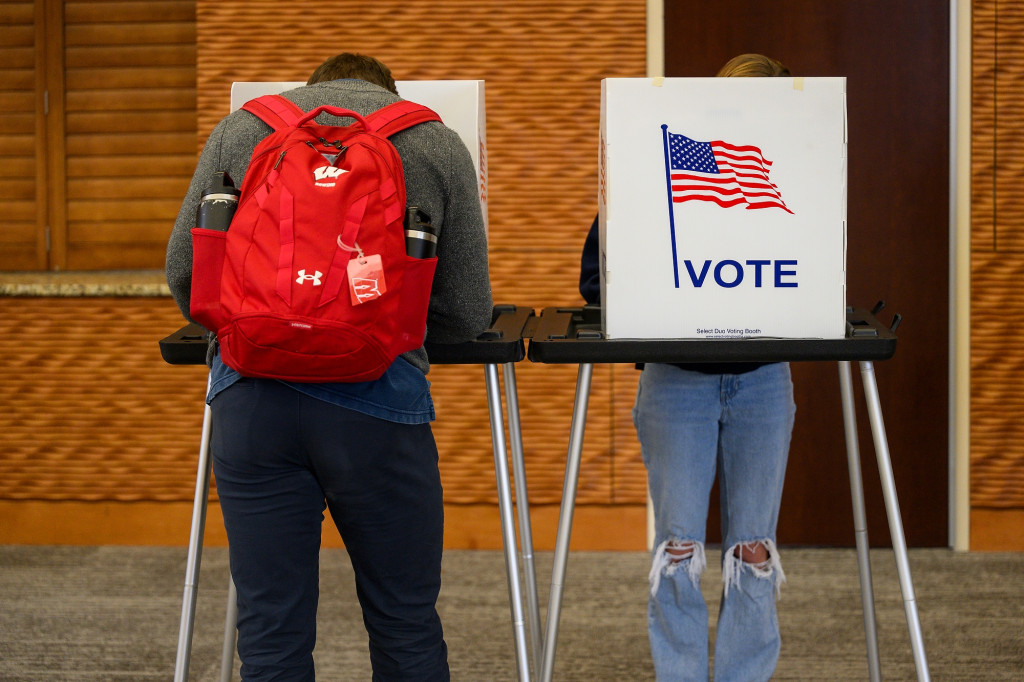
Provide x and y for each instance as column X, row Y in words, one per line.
column 737, row 148
column 703, row 178
column 756, row 181
column 706, row 188
column 749, row 161
column 702, row 197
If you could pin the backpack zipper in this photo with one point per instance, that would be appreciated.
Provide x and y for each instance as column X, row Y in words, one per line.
column 336, row 144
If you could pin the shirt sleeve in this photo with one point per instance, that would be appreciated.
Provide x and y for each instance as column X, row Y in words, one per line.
column 460, row 300
column 590, row 267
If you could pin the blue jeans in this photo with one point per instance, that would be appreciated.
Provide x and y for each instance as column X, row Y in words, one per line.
column 280, row 457
column 691, row 427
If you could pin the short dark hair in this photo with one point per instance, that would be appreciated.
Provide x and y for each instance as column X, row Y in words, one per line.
column 348, row 65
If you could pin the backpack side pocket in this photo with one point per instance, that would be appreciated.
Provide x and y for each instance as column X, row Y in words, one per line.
column 207, row 270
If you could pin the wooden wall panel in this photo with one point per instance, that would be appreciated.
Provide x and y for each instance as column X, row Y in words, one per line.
column 997, row 257
column 90, row 411
column 542, row 63
column 983, row 126
column 102, row 418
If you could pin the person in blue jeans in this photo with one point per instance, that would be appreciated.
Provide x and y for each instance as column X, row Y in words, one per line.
column 696, row 422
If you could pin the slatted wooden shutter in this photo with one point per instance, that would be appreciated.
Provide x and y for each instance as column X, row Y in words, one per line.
column 97, row 131
column 131, row 126
column 21, row 225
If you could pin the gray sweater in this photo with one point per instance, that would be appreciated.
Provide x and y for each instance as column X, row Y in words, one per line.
column 439, row 178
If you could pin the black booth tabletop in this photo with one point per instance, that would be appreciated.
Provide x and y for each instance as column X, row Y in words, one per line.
column 573, row 335
column 500, row 344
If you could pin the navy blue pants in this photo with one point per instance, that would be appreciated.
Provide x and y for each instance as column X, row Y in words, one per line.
column 279, row 458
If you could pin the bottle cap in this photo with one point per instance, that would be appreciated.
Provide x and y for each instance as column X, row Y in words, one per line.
column 221, row 187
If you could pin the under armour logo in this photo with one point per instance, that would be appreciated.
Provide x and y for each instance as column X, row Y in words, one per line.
column 303, row 277
column 324, row 173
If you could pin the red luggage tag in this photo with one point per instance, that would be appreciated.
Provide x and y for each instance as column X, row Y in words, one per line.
column 365, row 278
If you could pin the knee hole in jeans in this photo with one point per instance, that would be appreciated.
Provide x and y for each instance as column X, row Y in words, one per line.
column 754, row 553
column 677, row 554
column 679, row 550
column 762, row 559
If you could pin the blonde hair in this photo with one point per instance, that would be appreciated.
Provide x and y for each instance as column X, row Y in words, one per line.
column 753, row 65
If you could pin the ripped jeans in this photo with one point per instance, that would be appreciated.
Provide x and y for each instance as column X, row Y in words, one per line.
column 691, row 427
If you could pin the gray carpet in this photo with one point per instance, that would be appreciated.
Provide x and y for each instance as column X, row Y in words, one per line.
column 112, row 613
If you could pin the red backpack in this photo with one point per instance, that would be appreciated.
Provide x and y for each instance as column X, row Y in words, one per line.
column 312, row 282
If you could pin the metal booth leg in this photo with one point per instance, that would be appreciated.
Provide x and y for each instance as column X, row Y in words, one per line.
column 892, row 509
column 508, row 532
column 523, row 513
column 572, row 473
column 195, row 553
column 860, row 525
column 227, row 654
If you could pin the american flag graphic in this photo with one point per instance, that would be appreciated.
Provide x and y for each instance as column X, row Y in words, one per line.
column 716, row 171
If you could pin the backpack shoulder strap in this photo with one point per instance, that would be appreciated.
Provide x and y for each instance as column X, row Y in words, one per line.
column 276, row 111
column 399, row 116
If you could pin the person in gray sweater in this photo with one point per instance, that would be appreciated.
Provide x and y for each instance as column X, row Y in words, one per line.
column 284, row 451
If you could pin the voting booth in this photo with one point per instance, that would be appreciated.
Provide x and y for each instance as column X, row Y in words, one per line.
column 723, row 207
column 459, row 103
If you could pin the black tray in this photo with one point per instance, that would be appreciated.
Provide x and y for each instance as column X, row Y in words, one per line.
column 500, row 344
column 187, row 346
column 573, row 335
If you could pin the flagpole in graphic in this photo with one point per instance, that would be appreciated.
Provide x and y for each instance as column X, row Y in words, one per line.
column 671, row 213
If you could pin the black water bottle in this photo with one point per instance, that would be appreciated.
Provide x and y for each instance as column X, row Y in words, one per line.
column 218, row 203
column 420, row 235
